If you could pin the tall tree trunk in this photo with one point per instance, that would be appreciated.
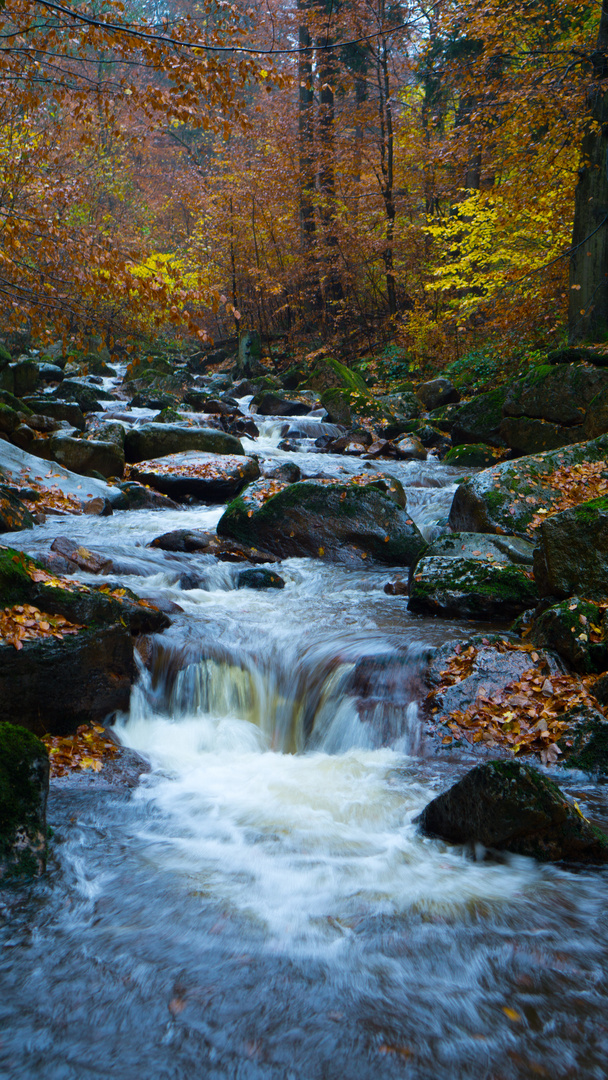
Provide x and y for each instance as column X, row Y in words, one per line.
column 387, row 165
column 327, row 60
column 306, row 135
column 588, row 306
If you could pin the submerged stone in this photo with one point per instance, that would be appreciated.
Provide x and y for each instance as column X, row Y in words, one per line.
column 259, row 579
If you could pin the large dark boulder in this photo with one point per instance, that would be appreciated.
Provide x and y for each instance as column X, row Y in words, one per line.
column 24, row 786
column 572, row 553
column 337, row 521
column 470, row 456
column 508, row 806
column 88, row 397
column 585, row 744
column 25, row 377
column 86, row 456
column 524, row 435
column 58, row 410
column 157, row 440
column 53, row 685
column 437, row 392
column 557, row 393
column 506, row 497
column 208, row 477
column 478, row 420
column 267, row 403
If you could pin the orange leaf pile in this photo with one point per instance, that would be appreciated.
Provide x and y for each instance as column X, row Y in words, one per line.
column 576, row 484
column 525, row 716
column 26, row 623
column 87, row 749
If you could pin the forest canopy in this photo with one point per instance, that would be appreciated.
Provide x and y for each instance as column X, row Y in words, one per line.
column 195, row 167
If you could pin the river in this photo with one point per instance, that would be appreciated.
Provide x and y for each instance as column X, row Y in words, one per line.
column 257, row 904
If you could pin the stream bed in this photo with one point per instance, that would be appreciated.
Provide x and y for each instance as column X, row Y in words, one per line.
column 254, row 902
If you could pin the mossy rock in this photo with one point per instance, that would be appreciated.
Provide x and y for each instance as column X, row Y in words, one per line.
column 470, row 455
column 585, row 744
column 470, row 588
column 336, row 403
column 151, row 441
column 572, row 553
column 14, row 402
column 506, row 497
column 329, row 373
column 509, row 806
column 478, row 420
column 24, row 784
column 14, row 516
column 339, row 522
column 557, row 393
column 5, row 357
column 9, row 419
column 566, row 628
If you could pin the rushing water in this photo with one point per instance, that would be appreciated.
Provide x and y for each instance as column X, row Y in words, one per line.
column 258, row 903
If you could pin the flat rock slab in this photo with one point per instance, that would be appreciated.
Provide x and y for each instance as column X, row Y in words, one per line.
column 508, row 806
column 505, row 498
column 491, row 671
column 208, row 477
column 20, row 468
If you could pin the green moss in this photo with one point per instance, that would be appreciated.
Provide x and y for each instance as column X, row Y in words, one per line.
column 588, row 512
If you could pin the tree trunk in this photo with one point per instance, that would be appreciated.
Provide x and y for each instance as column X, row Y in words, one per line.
column 306, row 136
column 332, row 286
column 588, row 304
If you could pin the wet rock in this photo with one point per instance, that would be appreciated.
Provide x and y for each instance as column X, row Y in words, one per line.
column 572, row 553
column 337, row 521
column 80, row 556
column 470, row 455
column 9, row 419
column 207, row 477
column 398, row 587
column 87, row 397
column 244, row 426
column 245, row 388
column 52, row 685
column 470, row 588
column 486, row 546
column 406, row 406
column 98, row 507
column 24, row 786
column 157, row 440
column 202, row 401
column 50, row 373
column 190, row 540
column 558, row 393
column 259, row 579
column 14, row 516
column 137, row 497
column 271, row 404
column 58, row 410
column 437, row 392
column 191, row 580
column 24, row 437
column 105, row 431
column 528, row 436
column 507, row 806
column 585, row 745
column 506, row 497
column 478, row 420
column 288, row 472
column 410, row 449
column 566, row 628
column 86, row 456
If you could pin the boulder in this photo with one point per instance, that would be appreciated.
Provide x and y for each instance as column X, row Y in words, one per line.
column 268, row 403
column 470, row 456
column 486, row 546
column 585, row 744
column 406, row 406
column 557, row 393
column 506, row 497
column 25, row 377
column 14, row 516
column 24, row 786
column 572, row 553
column 478, row 420
column 529, row 436
column 437, row 392
column 207, row 477
column 259, row 579
column 328, row 372
column 52, row 685
column 470, row 588
column 338, row 521
column 157, row 440
column 87, row 456
column 137, row 497
column 567, row 629
column 58, row 410
column 410, row 449
column 86, row 396
column 9, row 419
column 336, row 403
column 508, row 806
column 596, row 417
column 50, row 373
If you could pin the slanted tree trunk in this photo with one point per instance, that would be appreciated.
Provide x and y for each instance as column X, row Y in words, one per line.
column 588, row 304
